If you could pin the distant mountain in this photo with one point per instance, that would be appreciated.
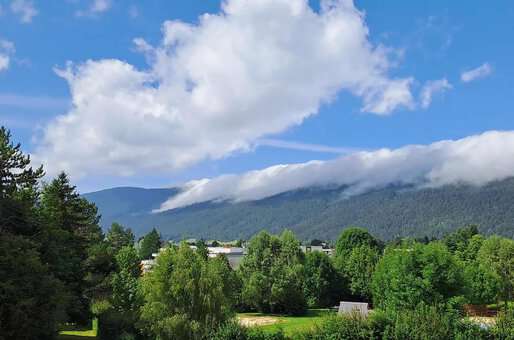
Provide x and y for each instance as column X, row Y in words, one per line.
column 124, row 203
column 318, row 212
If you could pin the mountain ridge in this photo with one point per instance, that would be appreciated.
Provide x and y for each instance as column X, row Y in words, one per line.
column 318, row 212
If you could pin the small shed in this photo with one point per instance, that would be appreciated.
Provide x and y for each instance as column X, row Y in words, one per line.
column 361, row 308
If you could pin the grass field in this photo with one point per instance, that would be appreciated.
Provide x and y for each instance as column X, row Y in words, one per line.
column 289, row 324
column 75, row 333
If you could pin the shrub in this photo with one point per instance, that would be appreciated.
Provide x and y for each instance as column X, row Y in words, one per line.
column 230, row 330
column 469, row 330
column 504, row 329
column 258, row 334
column 351, row 327
column 425, row 322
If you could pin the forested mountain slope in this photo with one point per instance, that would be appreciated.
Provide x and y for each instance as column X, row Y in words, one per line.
column 319, row 212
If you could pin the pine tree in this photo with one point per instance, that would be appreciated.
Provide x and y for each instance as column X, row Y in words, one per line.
column 150, row 244
column 74, row 245
column 31, row 298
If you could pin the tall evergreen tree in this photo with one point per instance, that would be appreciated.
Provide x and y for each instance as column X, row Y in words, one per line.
column 73, row 240
column 30, row 297
column 150, row 244
column 119, row 237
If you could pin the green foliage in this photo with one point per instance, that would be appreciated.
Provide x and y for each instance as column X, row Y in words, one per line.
column 183, row 296
column 73, row 246
column 125, row 282
column 356, row 255
column 230, row 281
column 349, row 327
column 481, row 284
column 359, row 268
column 323, row 284
column 504, row 328
column 497, row 254
column 150, row 244
column 424, row 322
column 16, row 176
column 30, row 298
column 458, row 241
column 352, row 238
column 119, row 237
column 272, row 274
column 201, row 249
column 230, row 330
column 410, row 274
column 258, row 334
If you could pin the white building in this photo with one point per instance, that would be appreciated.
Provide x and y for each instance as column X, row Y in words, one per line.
column 308, row 249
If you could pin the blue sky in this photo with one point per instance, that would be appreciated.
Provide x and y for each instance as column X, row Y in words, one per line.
column 432, row 40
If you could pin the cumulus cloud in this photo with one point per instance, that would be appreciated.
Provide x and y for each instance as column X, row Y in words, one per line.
column 482, row 71
column 25, row 9
column 474, row 160
column 6, row 50
column 96, row 7
column 432, row 87
column 215, row 87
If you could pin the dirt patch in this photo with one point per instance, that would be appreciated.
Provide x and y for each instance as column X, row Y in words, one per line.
column 251, row 321
column 483, row 321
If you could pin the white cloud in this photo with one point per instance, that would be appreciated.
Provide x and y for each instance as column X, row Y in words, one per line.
column 277, row 143
column 474, row 160
column 25, row 9
column 96, row 7
column 432, row 87
column 480, row 72
column 215, row 87
column 6, row 50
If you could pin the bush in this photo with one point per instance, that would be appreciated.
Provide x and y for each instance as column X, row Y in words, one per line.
column 504, row 328
column 425, row 322
column 231, row 330
column 379, row 321
column 351, row 327
column 469, row 330
column 258, row 334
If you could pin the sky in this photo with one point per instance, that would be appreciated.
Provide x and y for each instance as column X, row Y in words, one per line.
column 259, row 96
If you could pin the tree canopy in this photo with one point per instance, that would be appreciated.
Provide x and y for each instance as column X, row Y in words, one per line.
column 183, row 297
column 413, row 273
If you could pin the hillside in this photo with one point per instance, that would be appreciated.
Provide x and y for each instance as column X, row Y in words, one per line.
column 319, row 212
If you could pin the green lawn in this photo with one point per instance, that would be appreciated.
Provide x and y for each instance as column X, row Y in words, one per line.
column 289, row 324
column 80, row 333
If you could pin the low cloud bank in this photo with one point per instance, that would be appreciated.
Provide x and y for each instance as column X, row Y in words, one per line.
column 475, row 160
